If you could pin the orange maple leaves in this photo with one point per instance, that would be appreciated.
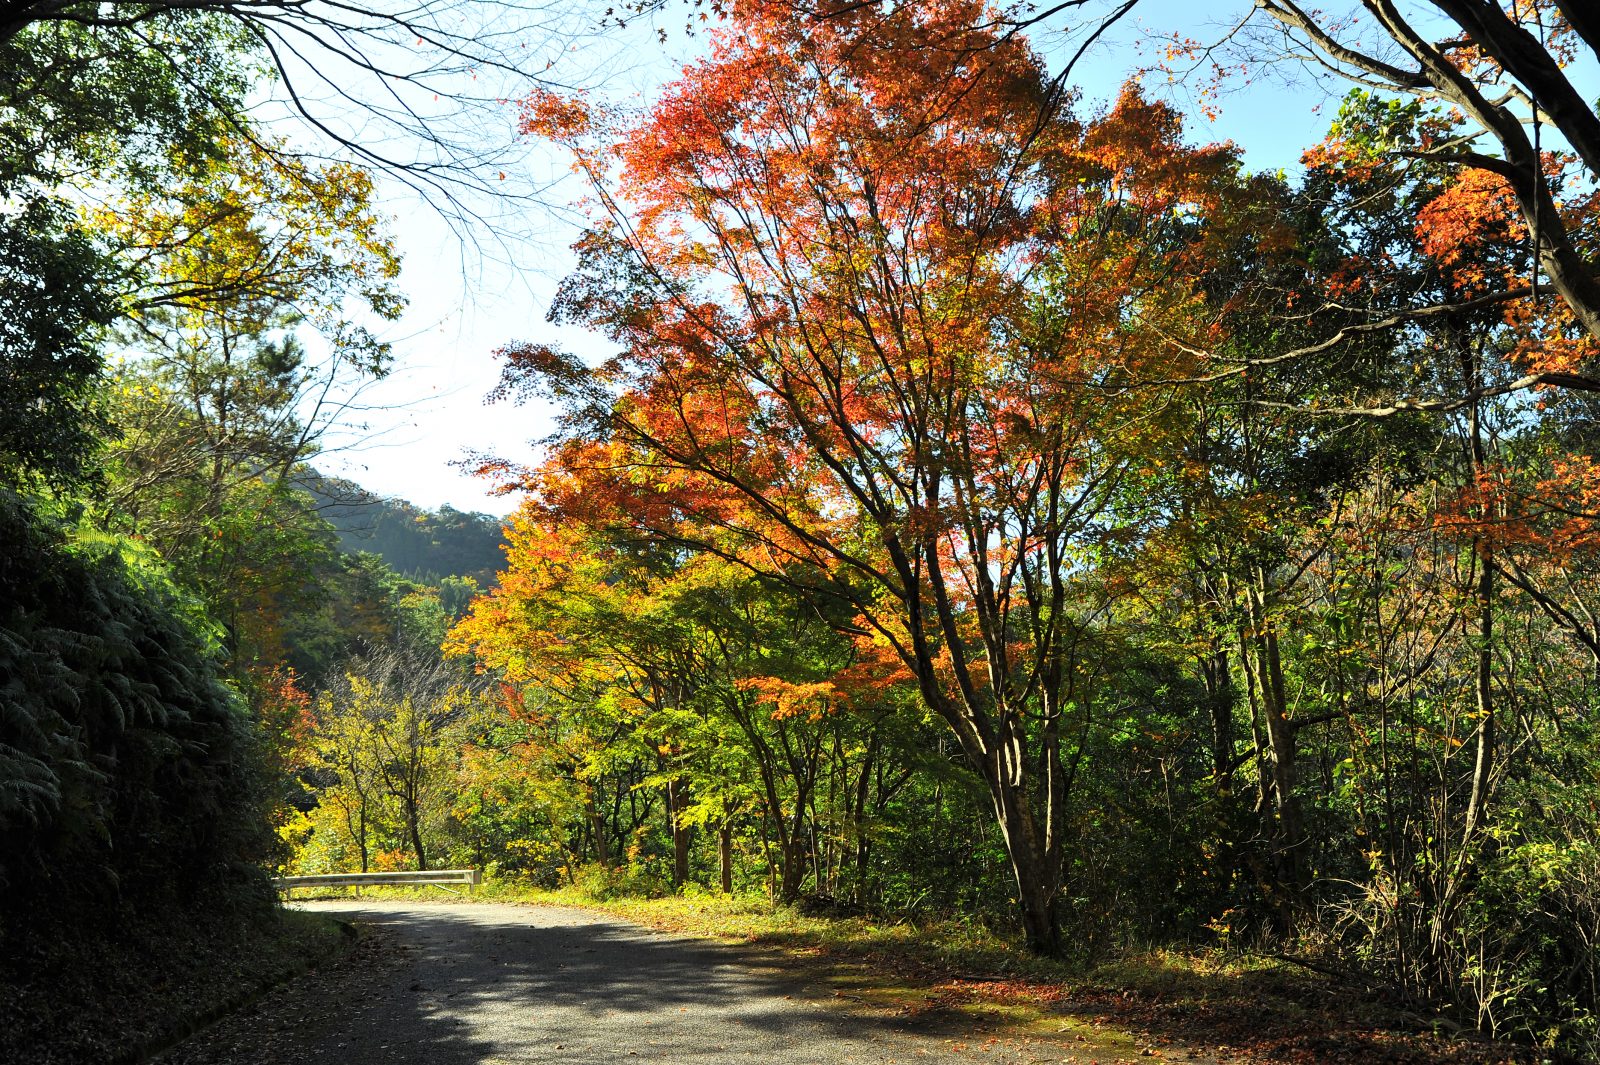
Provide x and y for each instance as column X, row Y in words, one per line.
column 874, row 289
column 1555, row 513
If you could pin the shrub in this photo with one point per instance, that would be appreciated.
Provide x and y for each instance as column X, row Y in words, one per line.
column 126, row 763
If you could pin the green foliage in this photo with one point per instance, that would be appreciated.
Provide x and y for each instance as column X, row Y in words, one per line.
column 55, row 300
column 93, row 106
column 126, row 763
column 349, row 601
column 83, row 98
column 386, row 736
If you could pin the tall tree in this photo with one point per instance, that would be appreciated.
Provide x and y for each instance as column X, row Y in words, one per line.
column 875, row 290
column 217, row 401
column 72, row 110
column 391, row 728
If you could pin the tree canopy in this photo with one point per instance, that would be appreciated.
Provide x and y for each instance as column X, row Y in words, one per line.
column 974, row 500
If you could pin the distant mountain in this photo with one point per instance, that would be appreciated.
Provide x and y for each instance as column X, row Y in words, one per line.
column 426, row 544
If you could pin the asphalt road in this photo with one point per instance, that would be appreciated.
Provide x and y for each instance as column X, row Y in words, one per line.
column 493, row 984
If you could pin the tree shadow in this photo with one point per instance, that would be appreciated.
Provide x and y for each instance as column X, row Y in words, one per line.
column 470, row 984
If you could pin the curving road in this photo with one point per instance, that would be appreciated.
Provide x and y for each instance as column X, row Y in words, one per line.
column 494, row 984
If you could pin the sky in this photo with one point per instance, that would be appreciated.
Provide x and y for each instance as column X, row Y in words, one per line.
column 476, row 287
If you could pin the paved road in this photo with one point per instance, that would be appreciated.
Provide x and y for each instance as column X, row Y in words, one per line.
column 489, row 984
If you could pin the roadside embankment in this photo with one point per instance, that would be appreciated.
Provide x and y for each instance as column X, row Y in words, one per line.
column 71, row 995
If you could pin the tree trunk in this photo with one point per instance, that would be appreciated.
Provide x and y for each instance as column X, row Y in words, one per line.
column 415, row 831
column 862, row 895
column 1039, row 897
column 680, row 835
column 999, row 753
column 766, row 852
column 1219, row 700
column 1483, row 677
column 858, row 821
column 795, row 855
column 1483, row 690
column 725, row 857
column 597, row 829
column 1267, row 679
column 1037, row 876
column 680, row 838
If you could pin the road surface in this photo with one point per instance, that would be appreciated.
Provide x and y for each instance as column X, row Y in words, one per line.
column 496, row 984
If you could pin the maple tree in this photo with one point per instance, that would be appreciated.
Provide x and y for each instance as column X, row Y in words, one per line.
column 876, row 293
column 547, row 623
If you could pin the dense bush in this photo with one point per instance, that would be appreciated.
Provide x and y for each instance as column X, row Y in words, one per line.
column 126, row 773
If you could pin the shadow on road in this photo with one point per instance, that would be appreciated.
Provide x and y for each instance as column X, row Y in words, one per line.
column 489, row 984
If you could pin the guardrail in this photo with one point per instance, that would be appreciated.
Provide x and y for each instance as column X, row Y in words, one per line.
column 469, row 877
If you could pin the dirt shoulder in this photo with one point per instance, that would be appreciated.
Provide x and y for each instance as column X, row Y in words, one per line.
column 68, row 997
